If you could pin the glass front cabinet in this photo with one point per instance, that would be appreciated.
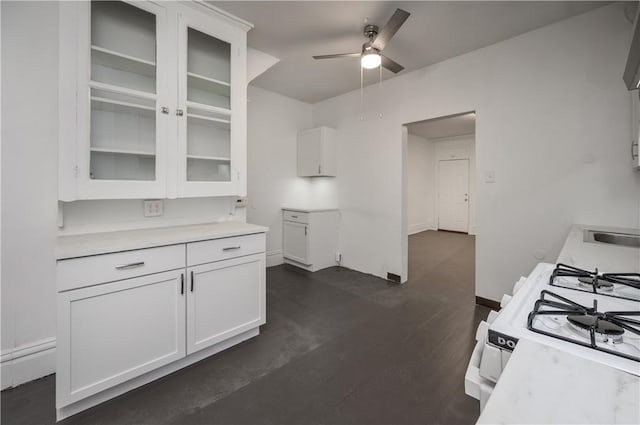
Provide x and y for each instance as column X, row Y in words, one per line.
column 152, row 101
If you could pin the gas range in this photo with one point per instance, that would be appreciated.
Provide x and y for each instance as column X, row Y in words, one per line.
column 599, row 327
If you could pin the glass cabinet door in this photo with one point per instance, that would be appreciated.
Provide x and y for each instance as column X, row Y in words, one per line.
column 123, row 93
column 207, row 125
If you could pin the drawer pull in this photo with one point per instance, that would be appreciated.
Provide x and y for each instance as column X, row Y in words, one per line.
column 231, row 248
column 294, row 216
column 130, row 265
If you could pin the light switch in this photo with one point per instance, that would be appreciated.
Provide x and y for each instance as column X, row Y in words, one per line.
column 490, row 176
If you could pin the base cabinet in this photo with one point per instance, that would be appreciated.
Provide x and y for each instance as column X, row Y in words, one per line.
column 110, row 333
column 226, row 298
column 310, row 238
column 152, row 322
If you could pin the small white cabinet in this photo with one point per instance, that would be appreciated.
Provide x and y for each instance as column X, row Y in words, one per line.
column 310, row 238
column 152, row 100
column 128, row 317
column 317, row 152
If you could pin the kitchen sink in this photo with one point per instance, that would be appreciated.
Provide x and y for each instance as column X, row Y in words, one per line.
column 612, row 238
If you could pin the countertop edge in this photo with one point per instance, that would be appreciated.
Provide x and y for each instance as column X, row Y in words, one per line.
column 89, row 244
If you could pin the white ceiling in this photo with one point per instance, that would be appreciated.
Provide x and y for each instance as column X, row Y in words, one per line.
column 293, row 31
column 455, row 125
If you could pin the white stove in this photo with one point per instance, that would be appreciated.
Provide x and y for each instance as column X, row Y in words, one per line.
column 569, row 317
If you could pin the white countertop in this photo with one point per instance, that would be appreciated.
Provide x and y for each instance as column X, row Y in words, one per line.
column 309, row 210
column 542, row 385
column 607, row 258
column 102, row 243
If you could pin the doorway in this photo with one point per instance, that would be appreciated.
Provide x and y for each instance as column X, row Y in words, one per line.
column 438, row 187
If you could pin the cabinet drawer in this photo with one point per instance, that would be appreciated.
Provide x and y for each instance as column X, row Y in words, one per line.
column 222, row 249
column 297, row 216
column 86, row 271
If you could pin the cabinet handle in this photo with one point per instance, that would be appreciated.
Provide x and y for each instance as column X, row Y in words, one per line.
column 231, row 248
column 164, row 110
column 319, row 169
column 192, row 279
column 179, row 112
column 294, row 216
column 130, row 265
column 305, row 230
column 181, row 283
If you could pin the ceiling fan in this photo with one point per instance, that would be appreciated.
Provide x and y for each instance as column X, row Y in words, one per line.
column 371, row 56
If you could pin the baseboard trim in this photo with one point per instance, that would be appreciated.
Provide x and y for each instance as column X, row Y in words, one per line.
column 486, row 302
column 274, row 258
column 27, row 362
column 420, row 227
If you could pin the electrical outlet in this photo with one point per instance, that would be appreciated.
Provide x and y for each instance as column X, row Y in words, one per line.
column 153, row 208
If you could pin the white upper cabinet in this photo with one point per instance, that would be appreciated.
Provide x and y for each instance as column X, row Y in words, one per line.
column 152, row 101
column 317, row 152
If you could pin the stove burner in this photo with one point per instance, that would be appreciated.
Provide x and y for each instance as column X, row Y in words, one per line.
column 597, row 329
column 590, row 282
column 618, row 285
column 602, row 327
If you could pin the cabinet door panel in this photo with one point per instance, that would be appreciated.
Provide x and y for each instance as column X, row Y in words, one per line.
column 121, row 89
column 211, row 93
column 113, row 332
column 227, row 298
column 296, row 242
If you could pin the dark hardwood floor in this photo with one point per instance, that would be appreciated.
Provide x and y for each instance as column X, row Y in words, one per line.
column 339, row 347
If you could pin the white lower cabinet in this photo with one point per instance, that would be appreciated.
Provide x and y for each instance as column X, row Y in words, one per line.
column 310, row 238
column 114, row 335
column 111, row 333
column 225, row 299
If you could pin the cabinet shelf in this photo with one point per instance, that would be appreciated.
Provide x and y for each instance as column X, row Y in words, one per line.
column 121, row 61
column 124, row 152
column 201, row 82
column 121, row 103
column 208, row 108
column 205, row 118
column 209, row 158
column 122, row 90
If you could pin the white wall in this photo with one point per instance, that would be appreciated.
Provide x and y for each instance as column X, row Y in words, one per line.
column 29, row 188
column 274, row 121
column 552, row 121
column 422, row 178
column 421, row 191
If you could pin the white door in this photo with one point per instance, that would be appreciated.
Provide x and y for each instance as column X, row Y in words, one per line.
column 114, row 332
column 453, row 195
column 296, row 242
column 224, row 299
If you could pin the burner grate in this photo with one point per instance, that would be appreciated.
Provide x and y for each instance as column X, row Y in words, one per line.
column 592, row 281
column 600, row 328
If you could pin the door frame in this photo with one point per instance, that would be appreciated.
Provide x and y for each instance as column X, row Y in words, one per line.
column 404, row 226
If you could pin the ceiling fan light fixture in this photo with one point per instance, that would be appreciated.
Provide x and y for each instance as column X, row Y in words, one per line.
column 370, row 60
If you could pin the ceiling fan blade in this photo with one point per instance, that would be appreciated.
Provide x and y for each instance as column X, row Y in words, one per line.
column 339, row 55
column 390, row 28
column 391, row 65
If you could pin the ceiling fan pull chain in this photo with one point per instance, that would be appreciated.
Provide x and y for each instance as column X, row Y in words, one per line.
column 361, row 94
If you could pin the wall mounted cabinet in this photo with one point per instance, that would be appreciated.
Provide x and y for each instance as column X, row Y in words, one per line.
column 152, row 101
column 317, row 152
